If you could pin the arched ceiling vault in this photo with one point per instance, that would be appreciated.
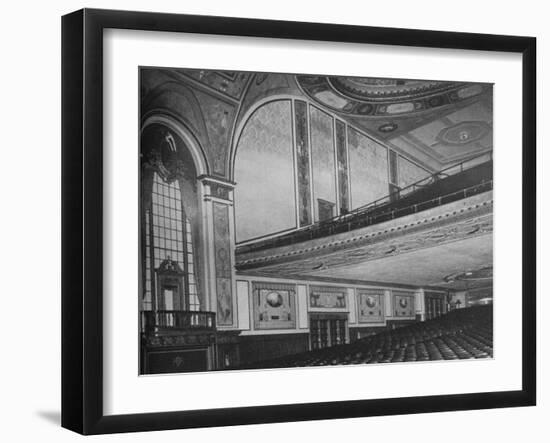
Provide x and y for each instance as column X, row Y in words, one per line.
column 436, row 122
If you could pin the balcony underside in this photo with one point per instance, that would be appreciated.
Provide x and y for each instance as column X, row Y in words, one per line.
column 420, row 249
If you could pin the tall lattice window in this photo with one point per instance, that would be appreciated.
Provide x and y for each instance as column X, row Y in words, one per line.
column 168, row 236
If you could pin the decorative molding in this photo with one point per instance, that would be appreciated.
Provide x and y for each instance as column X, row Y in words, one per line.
column 187, row 339
column 207, row 179
column 356, row 96
column 395, row 238
column 342, row 167
column 330, row 297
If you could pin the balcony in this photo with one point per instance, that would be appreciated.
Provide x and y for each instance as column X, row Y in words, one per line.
column 455, row 183
column 178, row 321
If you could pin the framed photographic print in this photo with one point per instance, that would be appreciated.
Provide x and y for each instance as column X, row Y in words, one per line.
column 277, row 221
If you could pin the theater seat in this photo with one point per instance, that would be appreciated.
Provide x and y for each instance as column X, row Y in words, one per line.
column 461, row 334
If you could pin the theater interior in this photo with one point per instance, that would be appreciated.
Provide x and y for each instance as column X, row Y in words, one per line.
column 291, row 220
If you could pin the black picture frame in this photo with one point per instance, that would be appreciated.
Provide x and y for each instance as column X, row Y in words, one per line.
column 82, row 215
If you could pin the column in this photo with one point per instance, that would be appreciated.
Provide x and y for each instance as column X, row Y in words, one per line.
column 420, row 305
column 219, row 250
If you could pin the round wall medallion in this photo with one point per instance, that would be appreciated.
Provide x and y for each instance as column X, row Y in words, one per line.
column 403, row 302
column 274, row 299
column 371, row 301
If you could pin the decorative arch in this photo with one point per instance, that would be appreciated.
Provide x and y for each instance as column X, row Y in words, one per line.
column 171, row 215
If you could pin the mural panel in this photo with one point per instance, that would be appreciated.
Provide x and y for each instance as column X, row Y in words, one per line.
column 342, row 164
column 368, row 169
column 302, row 162
column 410, row 173
column 371, row 305
column 323, row 165
column 403, row 304
column 223, row 265
column 274, row 305
column 264, row 172
column 327, row 297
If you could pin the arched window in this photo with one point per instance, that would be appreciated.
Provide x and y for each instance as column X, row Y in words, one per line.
column 170, row 268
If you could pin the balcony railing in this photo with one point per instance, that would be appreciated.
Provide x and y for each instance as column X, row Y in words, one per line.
column 184, row 320
column 465, row 179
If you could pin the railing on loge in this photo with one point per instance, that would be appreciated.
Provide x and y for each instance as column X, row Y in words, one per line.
column 443, row 187
column 195, row 320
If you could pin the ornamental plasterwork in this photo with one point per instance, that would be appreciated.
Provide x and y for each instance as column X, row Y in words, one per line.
column 468, row 222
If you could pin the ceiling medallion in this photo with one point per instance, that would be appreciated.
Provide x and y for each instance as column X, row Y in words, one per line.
column 463, row 133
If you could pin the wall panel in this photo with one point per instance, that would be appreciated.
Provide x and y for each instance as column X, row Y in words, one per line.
column 409, row 173
column 368, row 169
column 264, row 172
column 323, row 165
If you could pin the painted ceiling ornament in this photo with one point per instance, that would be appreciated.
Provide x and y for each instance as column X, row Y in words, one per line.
column 464, row 133
column 383, row 88
column 378, row 97
column 388, row 127
column 261, row 77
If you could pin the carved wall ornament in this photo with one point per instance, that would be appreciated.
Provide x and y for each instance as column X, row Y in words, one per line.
column 370, row 305
column 164, row 160
column 353, row 248
column 327, row 297
column 169, row 266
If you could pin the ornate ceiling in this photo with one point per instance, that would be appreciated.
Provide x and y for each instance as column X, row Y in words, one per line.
column 382, row 97
column 437, row 122
column 229, row 83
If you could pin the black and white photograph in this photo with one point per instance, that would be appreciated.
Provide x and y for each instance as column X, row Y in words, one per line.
column 266, row 222
column 297, row 220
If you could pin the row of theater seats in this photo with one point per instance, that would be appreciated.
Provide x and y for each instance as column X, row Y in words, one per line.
column 461, row 334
